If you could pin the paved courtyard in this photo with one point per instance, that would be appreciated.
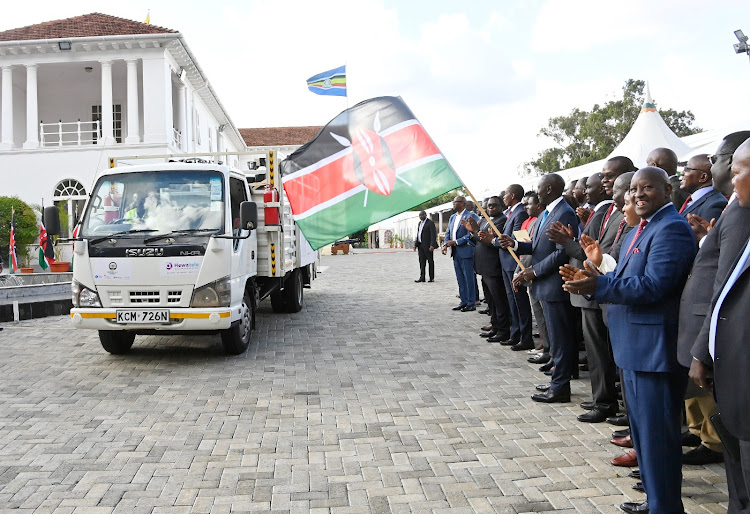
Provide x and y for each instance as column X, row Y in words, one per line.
column 377, row 397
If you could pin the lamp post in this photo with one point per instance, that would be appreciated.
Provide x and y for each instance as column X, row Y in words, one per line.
column 742, row 47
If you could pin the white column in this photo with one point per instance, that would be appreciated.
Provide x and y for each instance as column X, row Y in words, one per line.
column 157, row 100
column 134, row 121
column 108, row 135
column 181, row 115
column 32, row 108
column 7, row 103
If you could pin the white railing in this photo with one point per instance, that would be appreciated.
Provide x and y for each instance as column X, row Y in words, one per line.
column 69, row 133
column 176, row 138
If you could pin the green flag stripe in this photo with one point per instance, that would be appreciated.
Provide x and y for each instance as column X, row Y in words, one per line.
column 350, row 215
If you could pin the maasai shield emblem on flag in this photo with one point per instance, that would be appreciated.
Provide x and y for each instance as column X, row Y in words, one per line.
column 371, row 162
column 331, row 82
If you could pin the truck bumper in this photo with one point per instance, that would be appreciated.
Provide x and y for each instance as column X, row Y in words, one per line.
column 179, row 320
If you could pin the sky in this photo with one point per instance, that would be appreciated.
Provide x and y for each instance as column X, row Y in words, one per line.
column 482, row 76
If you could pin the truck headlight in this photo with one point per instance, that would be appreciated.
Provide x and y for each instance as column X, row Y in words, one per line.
column 83, row 296
column 213, row 294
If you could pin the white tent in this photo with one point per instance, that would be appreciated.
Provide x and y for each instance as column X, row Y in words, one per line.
column 648, row 132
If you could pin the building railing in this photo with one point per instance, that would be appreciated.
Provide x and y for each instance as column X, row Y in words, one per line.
column 176, row 138
column 69, row 133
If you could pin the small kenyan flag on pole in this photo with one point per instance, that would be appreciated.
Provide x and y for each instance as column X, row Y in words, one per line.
column 12, row 250
column 371, row 162
column 46, row 251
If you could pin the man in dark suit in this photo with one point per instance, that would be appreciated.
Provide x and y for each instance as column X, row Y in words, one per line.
column 721, row 161
column 666, row 159
column 704, row 200
column 425, row 243
column 595, row 337
column 457, row 238
column 487, row 264
column 644, row 291
column 546, row 284
column 722, row 340
column 518, row 298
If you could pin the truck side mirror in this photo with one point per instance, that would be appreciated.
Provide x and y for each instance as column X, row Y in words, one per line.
column 248, row 215
column 52, row 220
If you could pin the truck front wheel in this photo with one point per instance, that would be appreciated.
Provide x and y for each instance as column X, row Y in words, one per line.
column 116, row 342
column 237, row 338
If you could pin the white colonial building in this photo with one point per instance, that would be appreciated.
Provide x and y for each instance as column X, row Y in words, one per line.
column 56, row 77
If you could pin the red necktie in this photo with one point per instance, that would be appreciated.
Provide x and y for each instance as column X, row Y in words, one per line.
column 606, row 219
column 619, row 230
column 684, row 205
column 641, row 226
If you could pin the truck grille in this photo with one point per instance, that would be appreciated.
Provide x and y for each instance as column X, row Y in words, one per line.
column 141, row 297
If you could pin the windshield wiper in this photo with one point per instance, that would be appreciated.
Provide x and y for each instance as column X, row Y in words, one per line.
column 179, row 233
column 117, row 234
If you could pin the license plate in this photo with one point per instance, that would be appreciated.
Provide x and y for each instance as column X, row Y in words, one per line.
column 143, row 316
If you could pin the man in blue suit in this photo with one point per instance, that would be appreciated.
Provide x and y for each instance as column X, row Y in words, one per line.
column 704, row 200
column 645, row 291
column 546, row 286
column 458, row 239
column 518, row 298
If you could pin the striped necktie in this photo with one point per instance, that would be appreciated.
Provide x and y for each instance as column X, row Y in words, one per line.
column 641, row 226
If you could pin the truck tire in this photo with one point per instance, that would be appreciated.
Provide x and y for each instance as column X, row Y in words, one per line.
column 116, row 342
column 236, row 339
column 293, row 288
column 278, row 301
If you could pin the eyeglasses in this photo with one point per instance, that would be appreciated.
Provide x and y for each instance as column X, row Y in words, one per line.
column 693, row 169
column 715, row 157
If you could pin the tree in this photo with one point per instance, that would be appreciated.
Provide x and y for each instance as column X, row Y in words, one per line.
column 586, row 136
column 26, row 226
column 438, row 200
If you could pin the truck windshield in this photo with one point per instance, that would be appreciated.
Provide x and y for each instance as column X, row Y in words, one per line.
column 155, row 202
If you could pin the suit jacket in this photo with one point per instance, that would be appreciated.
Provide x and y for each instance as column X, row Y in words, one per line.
column 708, row 206
column 464, row 248
column 574, row 250
column 645, row 291
column 429, row 234
column 516, row 219
column 486, row 259
column 547, row 257
column 720, row 249
column 731, row 358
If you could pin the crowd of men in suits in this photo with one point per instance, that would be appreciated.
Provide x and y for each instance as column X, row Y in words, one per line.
column 651, row 271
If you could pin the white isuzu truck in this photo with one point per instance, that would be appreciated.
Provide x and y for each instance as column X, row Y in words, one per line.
column 184, row 247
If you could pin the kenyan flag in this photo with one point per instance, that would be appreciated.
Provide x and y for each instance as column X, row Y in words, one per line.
column 371, row 162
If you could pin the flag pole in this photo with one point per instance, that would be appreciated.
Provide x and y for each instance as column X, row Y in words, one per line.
column 498, row 232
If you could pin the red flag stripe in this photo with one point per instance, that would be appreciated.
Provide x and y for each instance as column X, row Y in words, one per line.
column 308, row 189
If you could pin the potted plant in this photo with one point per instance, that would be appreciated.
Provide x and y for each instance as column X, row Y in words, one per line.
column 26, row 227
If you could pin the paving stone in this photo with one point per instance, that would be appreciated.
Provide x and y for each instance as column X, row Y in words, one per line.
column 375, row 398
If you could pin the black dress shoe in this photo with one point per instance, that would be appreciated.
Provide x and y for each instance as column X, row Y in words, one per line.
column 619, row 421
column 636, row 473
column 583, row 367
column 431, row 280
column 420, row 280
column 702, row 455
column 508, row 342
column 638, row 486
column 522, row 346
column 468, row 308
column 497, row 338
column 484, row 311
column 488, row 334
column 548, row 373
column 551, row 396
column 621, row 433
column 690, row 439
column 543, row 387
column 542, row 358
column 547, row 366
column 635, row 507
column 594, row 416
column 459, row 307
